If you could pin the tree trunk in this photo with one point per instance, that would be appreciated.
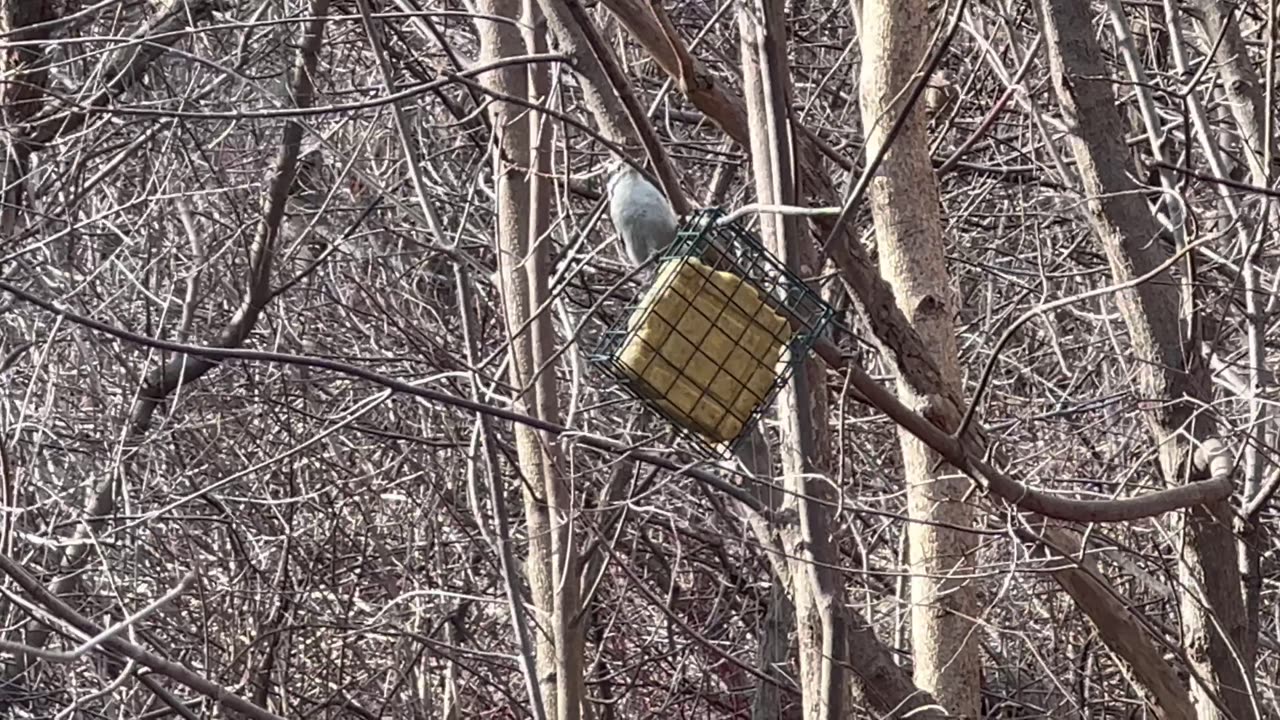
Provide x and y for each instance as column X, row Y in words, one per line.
column 1239, row 81
column 1248, row 108
column 523, row 246
column 775, row 634
column 905, row 204
column 597, row 94
column 1171, row 372
column 566, row 600
column 806, row 441
column 880, row 680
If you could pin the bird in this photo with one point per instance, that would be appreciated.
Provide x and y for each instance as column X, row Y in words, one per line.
column 645, row 222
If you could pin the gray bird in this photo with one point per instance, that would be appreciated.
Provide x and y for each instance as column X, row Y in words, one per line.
column 641, row 214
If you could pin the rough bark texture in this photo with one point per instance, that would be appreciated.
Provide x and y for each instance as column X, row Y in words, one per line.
column 905, row 203
column 1247, row 105
column 1171, row 374
column 775, row 635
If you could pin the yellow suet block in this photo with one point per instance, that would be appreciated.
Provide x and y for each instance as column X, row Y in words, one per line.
column 706, row 345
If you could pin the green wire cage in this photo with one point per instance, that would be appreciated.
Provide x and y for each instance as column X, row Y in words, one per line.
column 717, row 334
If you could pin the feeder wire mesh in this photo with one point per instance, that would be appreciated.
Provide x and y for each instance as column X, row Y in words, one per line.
column 716, row 336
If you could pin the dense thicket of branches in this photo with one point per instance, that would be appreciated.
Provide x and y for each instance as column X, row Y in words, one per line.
column 234, row 173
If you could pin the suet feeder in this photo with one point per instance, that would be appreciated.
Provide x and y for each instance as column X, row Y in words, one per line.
column 717, row 334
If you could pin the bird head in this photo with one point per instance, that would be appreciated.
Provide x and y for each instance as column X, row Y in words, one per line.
column 617, row 169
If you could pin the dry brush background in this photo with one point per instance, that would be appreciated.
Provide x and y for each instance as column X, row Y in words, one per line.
column 164, row 183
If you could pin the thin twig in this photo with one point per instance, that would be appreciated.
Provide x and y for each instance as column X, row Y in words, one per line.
column 94, row 642
column 176, row 672
column 1018, row 494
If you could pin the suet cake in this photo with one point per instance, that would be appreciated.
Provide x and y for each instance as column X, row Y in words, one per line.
column 705, row 342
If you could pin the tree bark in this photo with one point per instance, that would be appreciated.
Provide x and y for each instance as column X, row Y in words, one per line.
column 905, row 204
column 597, row 94
column 1248, row 108
column 1239, row 81
column 899, row 344
column 1118, row 626
column 1171, row 372
column 566, row 598
column 523, row 245
column 802, row 406
column 775, row 634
